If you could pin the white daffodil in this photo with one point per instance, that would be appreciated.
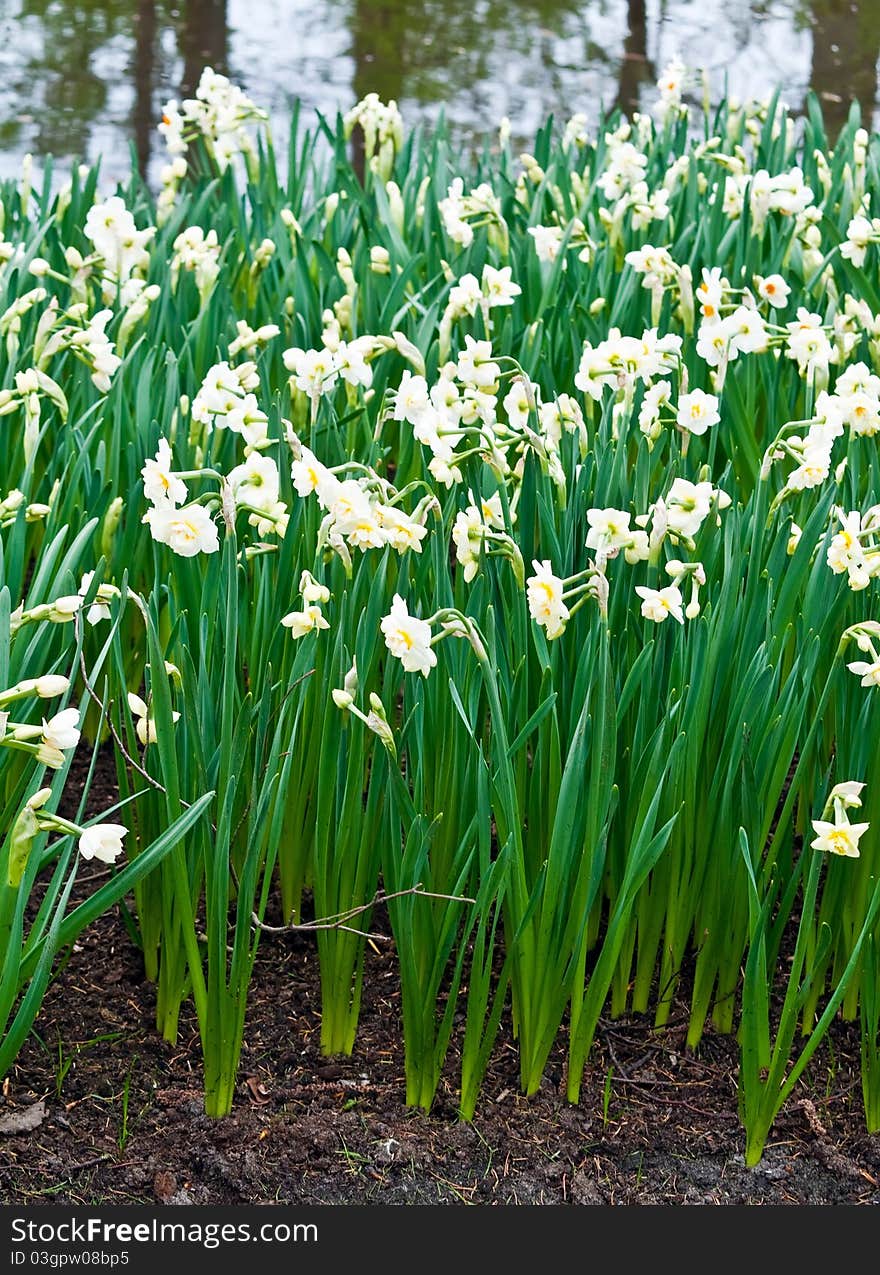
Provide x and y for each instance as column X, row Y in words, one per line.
column 256, row 482
column 312, row 590
column 773, row 289
column 845, row 552
column 544, row 592
column 868, row 671
column 838, row 838
column 748, row 332
column 859, row 234
column 399, row 530
column 658, row 604
column 469, row 537
column 609, row 530
column 306, row 621
column 498, row 287
column 408, row 638
column 687, row 506
column 808, row 343
column 160, row 484
column 697, row 412
column 103, row 841
column 848, row 793
column 548, row 241
column 188, row 531
column 99, row 609
column 62, row 730
column 309, row 475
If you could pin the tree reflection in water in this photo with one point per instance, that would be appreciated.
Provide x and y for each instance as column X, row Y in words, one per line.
column 82, row 77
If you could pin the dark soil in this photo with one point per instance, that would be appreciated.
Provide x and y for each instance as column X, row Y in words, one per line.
column 657, row 1124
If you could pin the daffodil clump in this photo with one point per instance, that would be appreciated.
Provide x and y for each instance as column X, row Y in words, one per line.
column 495, row 538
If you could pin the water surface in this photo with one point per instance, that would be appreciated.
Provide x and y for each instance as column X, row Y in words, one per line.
column 87, row 78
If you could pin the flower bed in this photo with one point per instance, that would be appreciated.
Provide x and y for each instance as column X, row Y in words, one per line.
column 490, row 542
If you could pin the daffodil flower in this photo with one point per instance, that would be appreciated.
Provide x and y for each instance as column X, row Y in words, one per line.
column 408, row 638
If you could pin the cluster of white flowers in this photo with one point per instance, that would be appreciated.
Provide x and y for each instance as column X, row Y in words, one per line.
column 122, row 248
column 723, row 337
column 94, row 347
column 83, row 335
column 255, row 486
column 658, row 604
column 670, row 88
column 866, row 635
column 855, row 548
column 53, row 737
column 382, row 126
column 219, row 116
column 783, row 193
column 361, row 513
column 482, row 207
column 576, row 132
column 854, row 405
column 621, row 362
column 311, row 617
column 549, row 240
column 679, row 518
column 625, row 164
column 475, row 530
column 199, row 254
column 316, row 372
column 808, row 344
column 610, row 533
column 226, row 401
column 470, row 295
column 463, row 406
column 188, row 529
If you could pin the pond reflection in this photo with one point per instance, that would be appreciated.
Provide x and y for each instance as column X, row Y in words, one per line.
column 87, row 77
